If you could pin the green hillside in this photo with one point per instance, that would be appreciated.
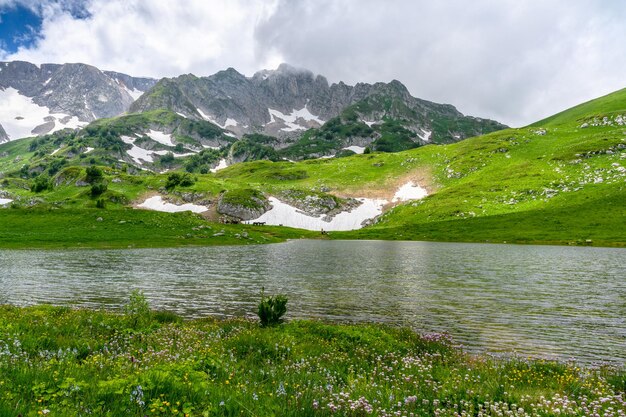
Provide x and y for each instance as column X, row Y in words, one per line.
column 554, row 182
column 597, row 108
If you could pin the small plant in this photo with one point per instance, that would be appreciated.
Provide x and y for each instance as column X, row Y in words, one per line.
column 101, row 203
column 137, row 310
column 271, row 309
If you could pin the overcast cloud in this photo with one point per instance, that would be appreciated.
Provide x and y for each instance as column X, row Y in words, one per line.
column 510, row 60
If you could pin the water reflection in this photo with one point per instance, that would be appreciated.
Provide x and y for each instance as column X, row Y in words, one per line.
column 534, row 300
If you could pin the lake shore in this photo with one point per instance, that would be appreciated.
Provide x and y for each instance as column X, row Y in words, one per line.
column 62, row 361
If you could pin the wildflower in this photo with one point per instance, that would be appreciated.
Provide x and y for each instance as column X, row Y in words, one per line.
column 315, row 404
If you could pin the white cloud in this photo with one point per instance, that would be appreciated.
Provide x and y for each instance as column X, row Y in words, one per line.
column 153, row 38
column 509, row 60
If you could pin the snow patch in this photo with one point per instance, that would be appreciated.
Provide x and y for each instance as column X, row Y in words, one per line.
column 291, row 118
column 181, row 115
column 162, row 138
column 409, row 191
column 230, row 122
column 5, row 201
column 369, row 124
column 135, row 94
column 355, row 149
column 88, row 150
column 425, row 136
column 282, row 213
column 19, row 115
column 222, row 164
column 156, row 203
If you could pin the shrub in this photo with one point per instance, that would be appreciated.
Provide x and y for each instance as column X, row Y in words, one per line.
column 41, row 183
column 271, row 309
column 367, row 150
column 98, row 189
column 94, row 174
column 175, row 178
column 101, row 203
column 137, row 310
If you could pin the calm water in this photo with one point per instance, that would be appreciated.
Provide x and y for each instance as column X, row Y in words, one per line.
column 533, row 300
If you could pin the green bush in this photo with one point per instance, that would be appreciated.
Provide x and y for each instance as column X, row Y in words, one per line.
column 271, row 309
column 94, row 174
column 98, row 189
column 175, row 178
column 101, row 203
column 41, row 183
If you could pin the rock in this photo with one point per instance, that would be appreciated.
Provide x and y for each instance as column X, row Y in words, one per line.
column 243, row 204
column 99, row 219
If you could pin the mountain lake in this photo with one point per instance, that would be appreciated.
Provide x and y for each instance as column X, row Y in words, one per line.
column 532, row 301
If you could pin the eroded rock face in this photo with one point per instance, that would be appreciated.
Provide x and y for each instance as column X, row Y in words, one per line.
column 287, row 101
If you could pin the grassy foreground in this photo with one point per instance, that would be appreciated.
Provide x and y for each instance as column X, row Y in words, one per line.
column 62, row 362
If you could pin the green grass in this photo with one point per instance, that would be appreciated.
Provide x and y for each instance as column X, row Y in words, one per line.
column 121, row 228
column 62, row 362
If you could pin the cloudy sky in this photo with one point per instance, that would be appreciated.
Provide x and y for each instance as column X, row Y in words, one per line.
column 510, row 60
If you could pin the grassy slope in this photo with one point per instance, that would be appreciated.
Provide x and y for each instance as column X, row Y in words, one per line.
column 555, row 184
column 613, row 102
column 79, row 228
column 65, row 362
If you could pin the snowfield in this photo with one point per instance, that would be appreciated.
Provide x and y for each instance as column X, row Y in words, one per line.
column 355, row 149
column 19, row 115
column 284, row 214
column 291, row 118
column 222, row 164
column 5, row 201
column 156, row 203
column 162, row 138
column 409, row 191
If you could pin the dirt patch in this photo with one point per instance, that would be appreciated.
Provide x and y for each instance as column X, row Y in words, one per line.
column 420, row 176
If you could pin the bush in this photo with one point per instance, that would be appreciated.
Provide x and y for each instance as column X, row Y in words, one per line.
column 271, row 309
column 98, row 189
column 174, row 179
column 40, row 184
column 101, row 203
column 94, row 174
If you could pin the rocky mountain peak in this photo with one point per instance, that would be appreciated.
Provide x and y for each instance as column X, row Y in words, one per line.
column 39, row 99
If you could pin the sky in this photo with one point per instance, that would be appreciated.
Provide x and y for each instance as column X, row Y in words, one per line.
column 509, row 60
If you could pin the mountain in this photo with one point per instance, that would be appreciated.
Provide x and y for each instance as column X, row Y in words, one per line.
column 288, row 101
column 562, row 180
column 36, row 100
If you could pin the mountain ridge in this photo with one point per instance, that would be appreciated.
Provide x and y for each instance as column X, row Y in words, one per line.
column 39, row 99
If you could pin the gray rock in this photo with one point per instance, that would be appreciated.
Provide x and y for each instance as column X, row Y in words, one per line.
column 78, row 90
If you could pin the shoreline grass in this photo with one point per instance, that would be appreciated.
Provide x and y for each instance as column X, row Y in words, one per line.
column 59, row 361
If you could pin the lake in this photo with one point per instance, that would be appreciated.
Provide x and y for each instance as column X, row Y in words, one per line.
column 539, row 301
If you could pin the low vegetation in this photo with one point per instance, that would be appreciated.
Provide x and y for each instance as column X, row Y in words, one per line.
column 58, row 361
